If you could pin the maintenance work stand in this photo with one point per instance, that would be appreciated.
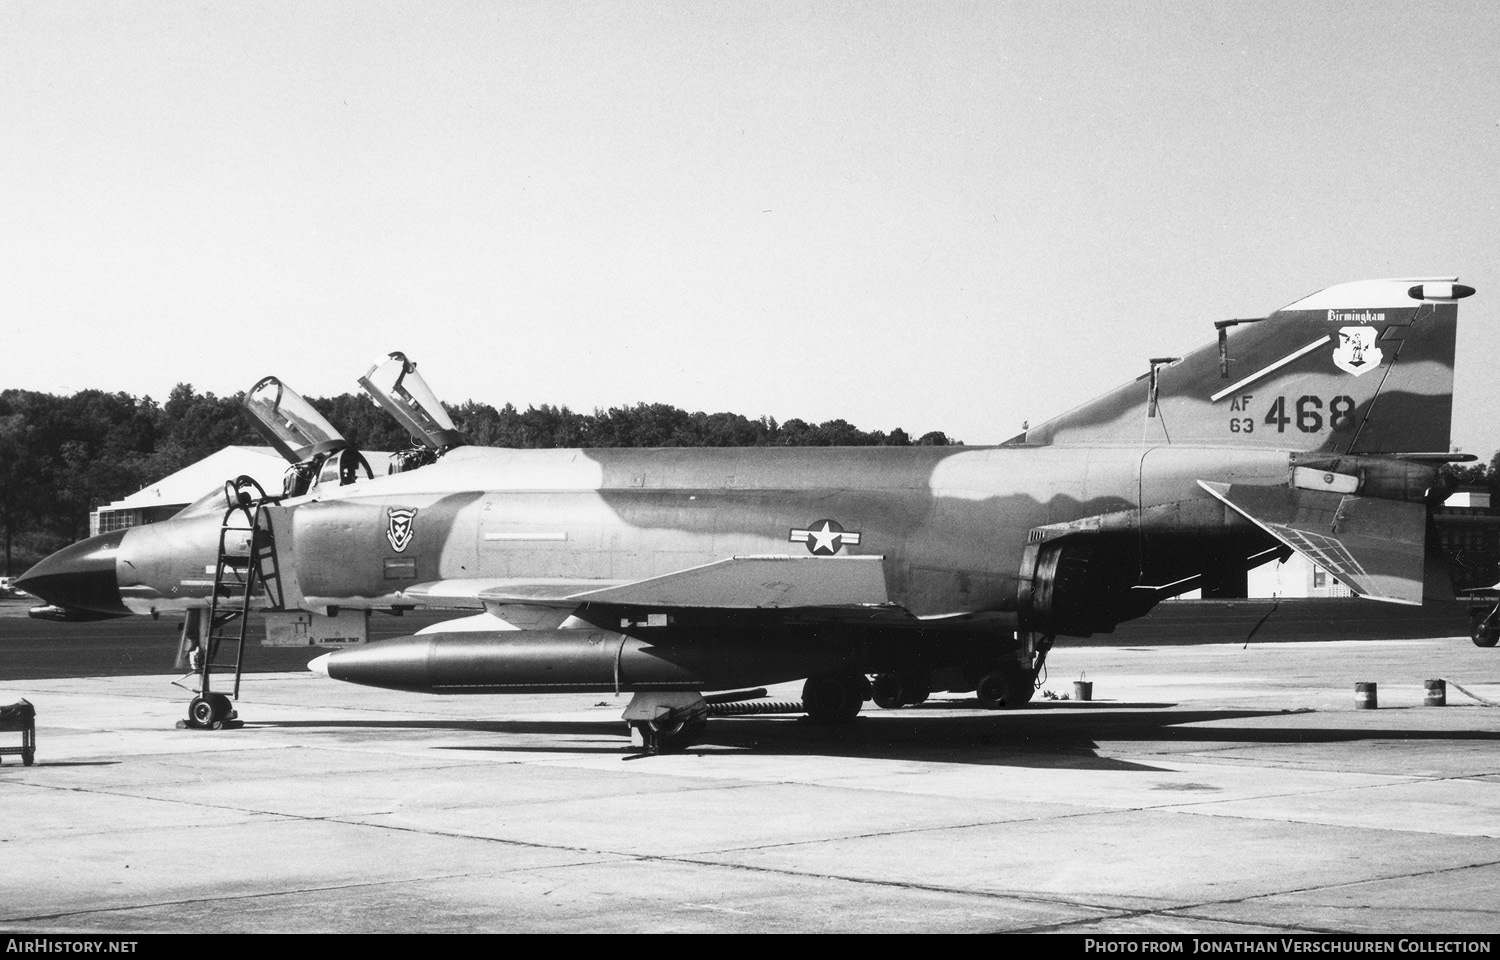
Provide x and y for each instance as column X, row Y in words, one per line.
column 20, row 717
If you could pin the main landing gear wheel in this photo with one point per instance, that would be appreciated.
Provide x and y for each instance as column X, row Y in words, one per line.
column 1005, row 689
column 835, row 697
column 668, row 736
column 1483, row 631
column 211, row 712
column 893, row 690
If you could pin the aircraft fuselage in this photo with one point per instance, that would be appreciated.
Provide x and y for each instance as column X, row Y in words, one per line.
column 951, row 523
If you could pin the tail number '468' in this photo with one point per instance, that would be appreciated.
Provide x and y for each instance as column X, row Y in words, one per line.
column 1309, row 412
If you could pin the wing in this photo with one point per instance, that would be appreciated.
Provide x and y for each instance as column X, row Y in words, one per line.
column 743, row 583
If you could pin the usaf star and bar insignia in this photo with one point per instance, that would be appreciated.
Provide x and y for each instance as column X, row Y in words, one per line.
column 824, row 538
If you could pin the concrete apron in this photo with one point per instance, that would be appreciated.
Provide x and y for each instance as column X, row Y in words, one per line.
column 1203, row 789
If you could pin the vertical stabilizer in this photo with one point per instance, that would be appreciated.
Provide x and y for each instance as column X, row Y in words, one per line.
column 1362, row 367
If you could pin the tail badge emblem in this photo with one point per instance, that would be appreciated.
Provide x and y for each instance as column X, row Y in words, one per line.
column 1357, row 352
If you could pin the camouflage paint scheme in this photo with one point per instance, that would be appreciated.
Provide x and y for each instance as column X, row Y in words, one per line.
column 1318, row 429
column 1407, row 371
column 950, row 523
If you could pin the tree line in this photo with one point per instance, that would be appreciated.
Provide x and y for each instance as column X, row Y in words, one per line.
column 1480, row 475
column 62, row 456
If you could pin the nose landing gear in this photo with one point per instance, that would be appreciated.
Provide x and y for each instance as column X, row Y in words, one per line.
column 666, row 721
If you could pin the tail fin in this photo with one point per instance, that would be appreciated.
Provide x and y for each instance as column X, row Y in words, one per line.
column 1362, row 367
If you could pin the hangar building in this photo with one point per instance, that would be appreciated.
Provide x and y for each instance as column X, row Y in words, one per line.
column 170, row 494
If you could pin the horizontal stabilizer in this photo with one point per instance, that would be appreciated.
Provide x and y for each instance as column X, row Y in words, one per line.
column 1374, row 545
column 739, row 583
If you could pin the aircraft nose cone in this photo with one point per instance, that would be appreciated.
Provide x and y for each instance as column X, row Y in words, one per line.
column 79, row 577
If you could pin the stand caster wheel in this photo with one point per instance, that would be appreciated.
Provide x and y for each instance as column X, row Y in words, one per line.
column 210, row 712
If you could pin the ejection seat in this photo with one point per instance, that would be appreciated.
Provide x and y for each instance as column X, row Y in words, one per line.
column 342, row 468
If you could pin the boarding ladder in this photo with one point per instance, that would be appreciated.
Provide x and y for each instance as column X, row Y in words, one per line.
column 237, row 575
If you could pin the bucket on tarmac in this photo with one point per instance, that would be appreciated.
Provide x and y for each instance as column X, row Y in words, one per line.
column 1083, row 689
column 1364, row 696
column 1436, row 693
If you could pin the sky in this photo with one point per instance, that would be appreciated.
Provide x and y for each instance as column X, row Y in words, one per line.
column 929, row 215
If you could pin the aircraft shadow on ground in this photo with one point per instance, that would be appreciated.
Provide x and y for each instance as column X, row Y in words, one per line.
column 1037, row 737
column 604, row 736
column 564, row 727
column 67, row 763
column 1064, row 739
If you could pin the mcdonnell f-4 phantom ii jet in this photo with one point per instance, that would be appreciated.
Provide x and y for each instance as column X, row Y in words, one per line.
column 669, row 573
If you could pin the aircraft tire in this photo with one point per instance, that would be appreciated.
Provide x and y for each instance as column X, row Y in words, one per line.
column 891, row 691
column 1482, row 631
column 888, row 691
column 917, row 693
column 835, row 697
column 1005, row 689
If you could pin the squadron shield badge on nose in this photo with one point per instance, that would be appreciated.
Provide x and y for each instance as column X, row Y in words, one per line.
column 400, row 525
